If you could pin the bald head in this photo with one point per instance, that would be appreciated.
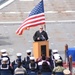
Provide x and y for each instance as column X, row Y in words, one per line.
column 41, row 27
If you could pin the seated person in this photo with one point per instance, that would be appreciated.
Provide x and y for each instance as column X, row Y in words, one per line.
column 56, row 57
column 14, row 64
column 40, row 59
column 59, row 67
column 18, row 55
column 43, row 60
column 56, row 54
column 20, row 69
column 6, row 55
column 40, row 35
column 33, row 65
column 26, row 60
column 45, row 67
column 5, row 67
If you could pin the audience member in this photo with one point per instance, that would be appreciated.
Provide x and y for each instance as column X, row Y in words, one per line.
column 5, row 67
column 43, row 60
column 56, row 57
column 20, row 69
column 33, row 65
column 27, row 58
column 40, row 58
column 14, row 64
column 59, row 67
column 45, row 67
column 6, row 55
column 18, row 55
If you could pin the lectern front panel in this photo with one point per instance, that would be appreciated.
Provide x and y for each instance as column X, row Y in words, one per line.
column 39, row 48
column 43, row 49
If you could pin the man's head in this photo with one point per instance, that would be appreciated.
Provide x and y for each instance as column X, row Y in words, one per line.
column 59, row 62
column 19, row 55
column 5, row 55
column 28, row 52
column 56, row 56
column 41, row 28
column 43, row 57
column 3, row 51
column 32, row 59
column 55, row 51
column 4, row 60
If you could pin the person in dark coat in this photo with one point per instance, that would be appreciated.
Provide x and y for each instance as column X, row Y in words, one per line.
column 46, row 67
column 14, row 63
column 33, row 66
column 2, row 51
column 6, row 55
column 5, row 67
column 26, row 60
column 40, row 35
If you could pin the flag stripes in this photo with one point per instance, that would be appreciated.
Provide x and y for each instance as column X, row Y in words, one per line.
column 33, row 19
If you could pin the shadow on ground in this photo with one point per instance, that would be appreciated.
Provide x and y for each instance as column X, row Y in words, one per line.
column 4, row 41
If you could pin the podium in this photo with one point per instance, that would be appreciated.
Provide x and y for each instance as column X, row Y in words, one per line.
column 40, row 47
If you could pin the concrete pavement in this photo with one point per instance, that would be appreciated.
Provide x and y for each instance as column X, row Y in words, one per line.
column 60, row 25
column 59, row 35
column 55, row 10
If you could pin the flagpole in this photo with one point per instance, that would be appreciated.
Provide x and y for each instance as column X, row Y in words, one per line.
column 45, row 24
column 45, row 27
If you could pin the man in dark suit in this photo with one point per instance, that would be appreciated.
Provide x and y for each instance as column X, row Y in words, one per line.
column 40, row 35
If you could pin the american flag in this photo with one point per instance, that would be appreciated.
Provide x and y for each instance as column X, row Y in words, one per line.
column 35, row 18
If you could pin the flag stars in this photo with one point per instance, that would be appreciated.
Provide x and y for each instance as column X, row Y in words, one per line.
column 38, row 9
